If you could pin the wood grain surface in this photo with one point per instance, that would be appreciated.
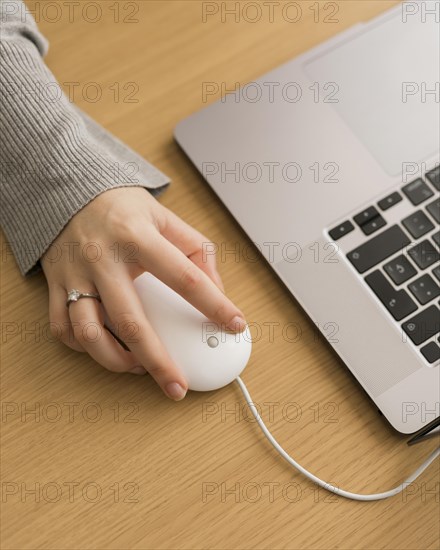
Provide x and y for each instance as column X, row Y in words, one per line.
column 95, row 460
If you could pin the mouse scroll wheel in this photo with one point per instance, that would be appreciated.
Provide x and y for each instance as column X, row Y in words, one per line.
column 212, row 341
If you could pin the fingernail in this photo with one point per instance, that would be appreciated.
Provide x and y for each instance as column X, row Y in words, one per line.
column 238, row 324
column 175, row 391
column 138, row 370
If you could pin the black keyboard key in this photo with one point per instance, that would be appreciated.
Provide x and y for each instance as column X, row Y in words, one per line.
column 436, row 238
column 390, row 201
column 399, row 269
column 418, row 224
column 431, row 352
column 373, row 225
column 417, row 191
column 436, row 271
column 423, row 325
column 434, row 209
column 366, row 215
column 424, row 254
column 434, row 177
column 424, row 289
column 378, row 248
column 397, row 302
column 341, row 230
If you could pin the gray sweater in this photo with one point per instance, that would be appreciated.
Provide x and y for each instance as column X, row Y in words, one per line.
column 54, row 159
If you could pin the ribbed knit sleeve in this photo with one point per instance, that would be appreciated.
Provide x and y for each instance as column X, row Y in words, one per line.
column 54, row 159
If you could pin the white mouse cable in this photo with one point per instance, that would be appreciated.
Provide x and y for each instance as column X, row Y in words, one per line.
column 317, row 480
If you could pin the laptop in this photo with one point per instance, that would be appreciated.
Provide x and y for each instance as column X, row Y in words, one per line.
column 330, row 164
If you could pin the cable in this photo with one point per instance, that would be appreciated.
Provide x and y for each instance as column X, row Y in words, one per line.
column 317, row 480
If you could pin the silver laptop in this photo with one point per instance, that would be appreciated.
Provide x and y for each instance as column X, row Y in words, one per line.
column 330, row 163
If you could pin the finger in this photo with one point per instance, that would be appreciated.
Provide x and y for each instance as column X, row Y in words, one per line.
column 60, row 325
column 88, row 327
column 192, row 243
column 171, row 266
column 128, row 320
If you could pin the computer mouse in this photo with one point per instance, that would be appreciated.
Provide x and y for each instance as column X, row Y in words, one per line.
column 208, row 356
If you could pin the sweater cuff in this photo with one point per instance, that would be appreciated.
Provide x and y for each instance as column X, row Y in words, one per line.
column 55, row 159
column 40, row 198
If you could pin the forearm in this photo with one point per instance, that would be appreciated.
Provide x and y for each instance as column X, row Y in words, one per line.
column 54, row 159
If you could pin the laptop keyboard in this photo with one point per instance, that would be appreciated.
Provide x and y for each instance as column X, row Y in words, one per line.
column 401, row 263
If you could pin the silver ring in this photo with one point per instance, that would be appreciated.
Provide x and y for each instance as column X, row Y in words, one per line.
column 75, row 295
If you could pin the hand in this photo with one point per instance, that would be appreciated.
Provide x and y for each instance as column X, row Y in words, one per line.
column 131, row 233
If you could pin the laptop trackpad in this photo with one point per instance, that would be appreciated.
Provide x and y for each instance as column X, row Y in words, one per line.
column 388, row 79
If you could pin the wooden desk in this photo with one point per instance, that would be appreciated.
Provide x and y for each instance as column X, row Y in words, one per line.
column 114, row 464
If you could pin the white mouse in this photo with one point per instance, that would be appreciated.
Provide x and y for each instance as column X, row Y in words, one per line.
column 208, row 357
